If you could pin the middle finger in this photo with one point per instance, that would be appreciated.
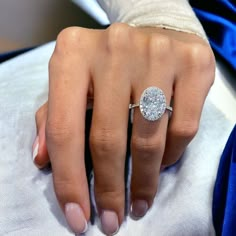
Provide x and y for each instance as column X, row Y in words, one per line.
column 108, row 139
column 148, row 144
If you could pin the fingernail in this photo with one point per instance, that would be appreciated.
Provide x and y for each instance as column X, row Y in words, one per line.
column 139, row 209
column 75, row 218
column 162, row 167
column 109, row 222
column 35, row 148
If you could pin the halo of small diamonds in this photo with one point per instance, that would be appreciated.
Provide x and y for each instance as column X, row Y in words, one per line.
column 152, row 103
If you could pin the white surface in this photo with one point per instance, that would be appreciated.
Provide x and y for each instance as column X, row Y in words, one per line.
column 93, row 9
column 28, row 206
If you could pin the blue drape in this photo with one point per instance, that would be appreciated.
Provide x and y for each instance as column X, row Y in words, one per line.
column 218, row 18
column 224, row 197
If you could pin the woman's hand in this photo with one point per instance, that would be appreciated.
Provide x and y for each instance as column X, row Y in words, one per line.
column 114, row 66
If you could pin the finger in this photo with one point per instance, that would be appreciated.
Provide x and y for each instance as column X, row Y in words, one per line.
column 39, row 149
column 148, row 144
column 65, row 127
column 108, row 141
column 148, row 137
column 189, row 96
column 40, row 153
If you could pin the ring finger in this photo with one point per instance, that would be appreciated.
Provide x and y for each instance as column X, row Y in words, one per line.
column 147, row 146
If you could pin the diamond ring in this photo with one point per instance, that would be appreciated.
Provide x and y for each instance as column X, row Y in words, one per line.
column 152, row 104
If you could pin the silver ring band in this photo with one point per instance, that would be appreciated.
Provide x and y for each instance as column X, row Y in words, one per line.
column 131, row 106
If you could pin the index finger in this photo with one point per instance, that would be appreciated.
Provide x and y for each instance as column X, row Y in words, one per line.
column 65, row 128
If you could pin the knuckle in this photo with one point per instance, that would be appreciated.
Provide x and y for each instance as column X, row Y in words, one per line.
column 69, row 39
column 63, row 189
column 109, row 191
column 185, row 130
column 159, row 46
column 110, row 200
column 57, row 132
column 118, row 36
column 106, row 140
column 149, row 146
column 200, row 55
column 109, row 197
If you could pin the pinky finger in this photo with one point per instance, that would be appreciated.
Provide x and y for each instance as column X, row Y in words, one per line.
column 184, row 121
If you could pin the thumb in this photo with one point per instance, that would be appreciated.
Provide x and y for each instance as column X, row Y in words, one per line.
column 40, row 153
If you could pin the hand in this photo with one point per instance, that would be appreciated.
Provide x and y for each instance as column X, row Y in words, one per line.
column 113, row 67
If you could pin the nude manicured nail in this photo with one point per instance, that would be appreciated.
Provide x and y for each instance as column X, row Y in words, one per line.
column 75, row 218
column 109, row 222
column 35, row 148
column 139, row 209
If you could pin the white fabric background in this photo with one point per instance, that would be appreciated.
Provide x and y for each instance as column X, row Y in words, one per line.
column 27, row 201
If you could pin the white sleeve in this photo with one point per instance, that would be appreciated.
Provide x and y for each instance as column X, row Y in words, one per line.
column 171, row 14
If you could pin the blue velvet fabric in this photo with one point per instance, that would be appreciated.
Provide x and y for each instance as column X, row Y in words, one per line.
column 218, row 18
column 224, row 198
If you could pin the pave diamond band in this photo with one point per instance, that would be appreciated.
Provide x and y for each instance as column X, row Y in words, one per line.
column 152, row 104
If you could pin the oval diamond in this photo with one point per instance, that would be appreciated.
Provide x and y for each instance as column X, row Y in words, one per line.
column 152, row 103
